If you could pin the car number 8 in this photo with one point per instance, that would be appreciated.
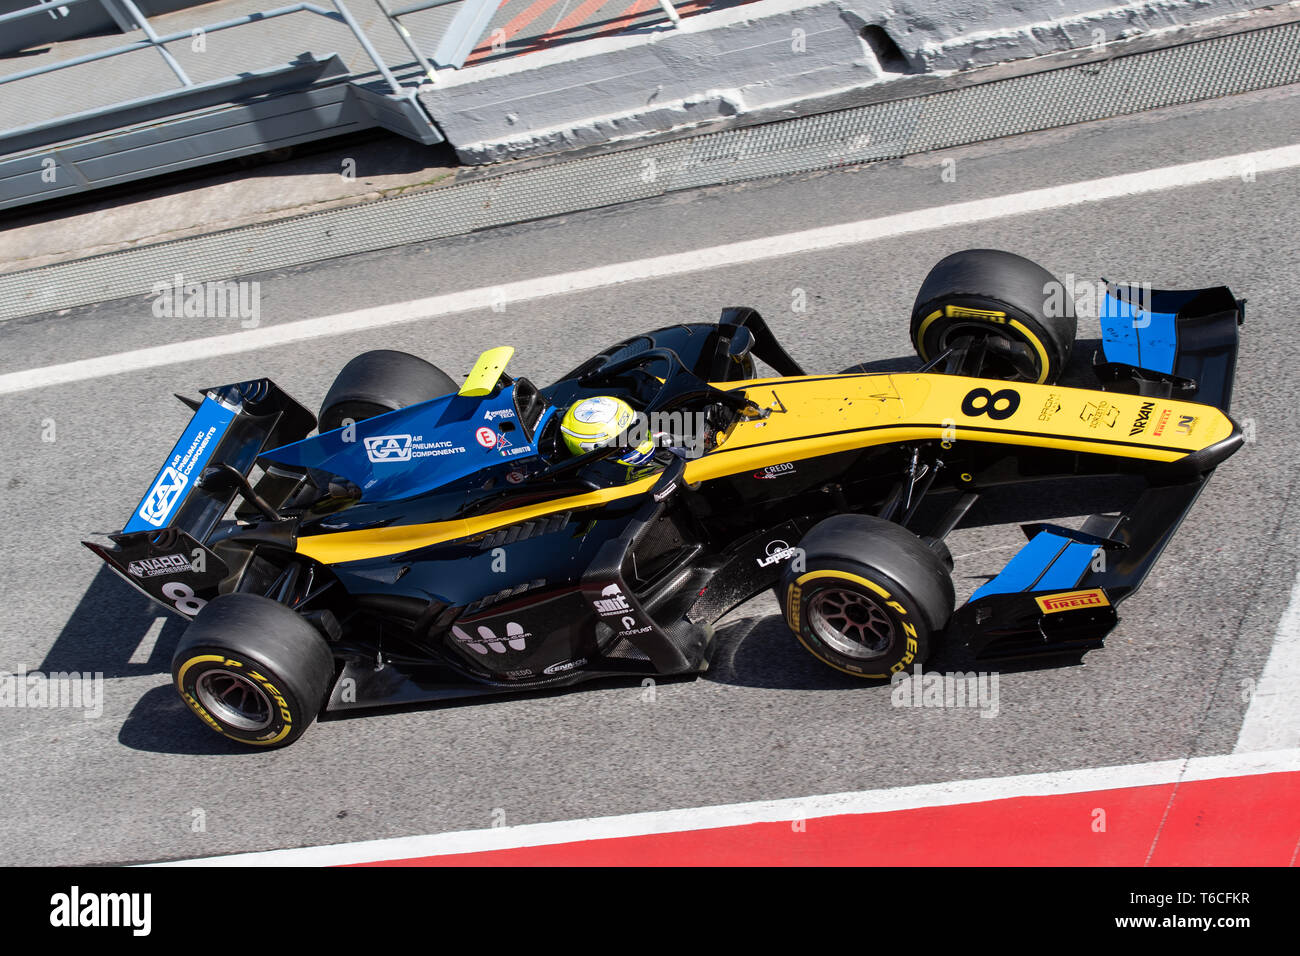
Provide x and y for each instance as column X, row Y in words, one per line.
column 980, row 401
column 182, row 595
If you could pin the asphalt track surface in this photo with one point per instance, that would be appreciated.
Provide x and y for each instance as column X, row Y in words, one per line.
column 768, row 722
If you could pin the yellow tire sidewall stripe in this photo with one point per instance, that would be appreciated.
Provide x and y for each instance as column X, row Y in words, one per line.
column 208, row 718
column 839, row 575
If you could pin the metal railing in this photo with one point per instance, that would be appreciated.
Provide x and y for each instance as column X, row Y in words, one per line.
column 454, row 48
column 340, row 14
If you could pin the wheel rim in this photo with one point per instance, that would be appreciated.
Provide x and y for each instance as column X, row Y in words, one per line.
column 234, row 700
column 851, row 623
column 1007, row 357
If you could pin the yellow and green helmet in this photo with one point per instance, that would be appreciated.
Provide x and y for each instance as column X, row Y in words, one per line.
column 594, row 422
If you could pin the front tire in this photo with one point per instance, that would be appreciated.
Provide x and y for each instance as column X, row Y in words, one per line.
column 870, row 597
column 1017, row 308
column 253, row 670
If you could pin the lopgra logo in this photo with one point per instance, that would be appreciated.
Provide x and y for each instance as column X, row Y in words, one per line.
column 1144, row 415
column 516, row 639
column 381, row 448
column 162, row 498
column 1072, row 600
column 777, row 551
column 611, row 601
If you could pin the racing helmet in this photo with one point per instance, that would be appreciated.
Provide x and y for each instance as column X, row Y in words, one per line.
column 594, row 422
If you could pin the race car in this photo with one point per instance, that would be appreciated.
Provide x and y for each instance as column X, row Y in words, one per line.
column 422, row 540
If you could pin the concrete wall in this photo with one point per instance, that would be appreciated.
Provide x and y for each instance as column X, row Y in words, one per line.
column 764, row 56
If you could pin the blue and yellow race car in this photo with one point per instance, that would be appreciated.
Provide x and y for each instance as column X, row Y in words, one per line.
column 422, row 540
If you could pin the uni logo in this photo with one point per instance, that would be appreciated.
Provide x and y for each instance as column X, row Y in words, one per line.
column 380, row 448
column 162, row 498
column 1071, row 600
column 515, row 638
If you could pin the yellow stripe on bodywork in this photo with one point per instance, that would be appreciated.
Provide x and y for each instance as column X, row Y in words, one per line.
column 824, row 415
column 343, row 546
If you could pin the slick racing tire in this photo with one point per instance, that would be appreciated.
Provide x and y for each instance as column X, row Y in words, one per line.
column 1021, row 311
column 869, row 597
column 381, row 381
column 252, row 669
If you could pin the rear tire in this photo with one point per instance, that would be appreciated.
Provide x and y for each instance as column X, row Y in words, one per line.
column 253, row 669
column 381, row 381
column 1006, row 299
column 870, row 597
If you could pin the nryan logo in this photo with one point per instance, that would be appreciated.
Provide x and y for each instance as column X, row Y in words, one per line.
column 1143, row 416
column 380, row 448
column 75, row 908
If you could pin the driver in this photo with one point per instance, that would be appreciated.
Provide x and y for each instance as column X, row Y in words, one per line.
column 598, row 421
column 595, row 422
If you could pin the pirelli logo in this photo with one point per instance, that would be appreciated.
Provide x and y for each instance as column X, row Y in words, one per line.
column 1072, row 600
column 961, row 312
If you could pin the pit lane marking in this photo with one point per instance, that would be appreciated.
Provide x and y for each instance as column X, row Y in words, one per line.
column 1231, row 769
column 733, row 254
column 1272, row 720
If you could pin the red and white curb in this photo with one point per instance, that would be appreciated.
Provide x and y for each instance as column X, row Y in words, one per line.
column 1232, row 810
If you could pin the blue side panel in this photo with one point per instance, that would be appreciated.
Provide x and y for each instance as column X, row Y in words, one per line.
column 1138, row 337
column 1047, row 562
column 189, row 456
column 416, row 449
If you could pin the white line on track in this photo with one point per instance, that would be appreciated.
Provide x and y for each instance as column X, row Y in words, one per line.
column 1272, row 720
column 658, row 267
column 799, row 808
column 144, row 650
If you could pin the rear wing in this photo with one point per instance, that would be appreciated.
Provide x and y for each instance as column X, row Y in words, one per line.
column 1058, row 594
column 162, row 550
